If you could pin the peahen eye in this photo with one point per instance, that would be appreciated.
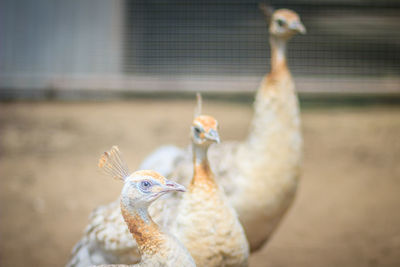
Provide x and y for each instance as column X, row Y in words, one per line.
column 145, row 184
column 280, row 22
column 197, row 130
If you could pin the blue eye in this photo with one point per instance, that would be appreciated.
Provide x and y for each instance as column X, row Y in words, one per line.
column 145, row 185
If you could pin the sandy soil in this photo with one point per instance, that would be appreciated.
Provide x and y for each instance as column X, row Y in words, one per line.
column 346, row 213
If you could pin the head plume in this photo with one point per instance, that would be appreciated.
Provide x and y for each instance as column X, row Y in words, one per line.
column 111, row 163
column 267, row 10
column 197, row 111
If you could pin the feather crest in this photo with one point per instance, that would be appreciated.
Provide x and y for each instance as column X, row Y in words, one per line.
column 112, row 163
column 266, row 9
column 197, row 111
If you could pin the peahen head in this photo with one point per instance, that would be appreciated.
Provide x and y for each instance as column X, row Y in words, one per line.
column 204, row 130
column 285, row 23
column 142, row 187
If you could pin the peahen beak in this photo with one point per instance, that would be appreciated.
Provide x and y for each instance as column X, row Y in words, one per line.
column 213, row 136
column 298, row 27
column 173, row 186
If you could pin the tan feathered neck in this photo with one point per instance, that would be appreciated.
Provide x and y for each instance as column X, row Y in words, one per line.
column 202, row 175
column 144, row 230
column 279, row 66
column 276, row 108
column 269, row 159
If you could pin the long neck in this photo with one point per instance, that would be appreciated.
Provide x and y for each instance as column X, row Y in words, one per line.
column 276, row 121
column 278, row 54
column 202, row 175
column 143, row 229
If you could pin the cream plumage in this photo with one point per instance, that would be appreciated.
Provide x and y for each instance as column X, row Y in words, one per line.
column 141, row 188
column 259, row 175
column 206, row 223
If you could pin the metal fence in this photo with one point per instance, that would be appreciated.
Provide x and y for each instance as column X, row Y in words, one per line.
column 345, row 38
column 170, row 45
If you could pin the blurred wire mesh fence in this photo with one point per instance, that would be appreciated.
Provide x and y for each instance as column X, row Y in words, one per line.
column 154, row 45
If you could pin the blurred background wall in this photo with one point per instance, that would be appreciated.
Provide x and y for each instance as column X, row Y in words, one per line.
column 352, row 46
column 346, row 211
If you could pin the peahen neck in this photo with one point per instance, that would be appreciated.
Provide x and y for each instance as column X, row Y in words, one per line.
column 202, row 174
column 275, row 129
column 270, row 157
column 278, row 54
column 143, row 229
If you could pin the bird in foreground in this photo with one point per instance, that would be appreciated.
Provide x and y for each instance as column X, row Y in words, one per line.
column 206, row 223
column 141, row 188
column 259, row 175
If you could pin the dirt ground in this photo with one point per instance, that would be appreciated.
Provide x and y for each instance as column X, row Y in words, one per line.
column 347, row 212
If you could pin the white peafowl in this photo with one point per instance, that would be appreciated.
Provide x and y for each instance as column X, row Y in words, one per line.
column 205, row 221
column 141, row 188
column 259, row 175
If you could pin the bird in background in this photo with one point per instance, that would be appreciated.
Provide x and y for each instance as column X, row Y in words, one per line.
column 141, row 188
column 205, row 221
column 259, row 175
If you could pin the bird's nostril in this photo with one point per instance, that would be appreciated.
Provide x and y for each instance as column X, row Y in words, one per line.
column 213, row 133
